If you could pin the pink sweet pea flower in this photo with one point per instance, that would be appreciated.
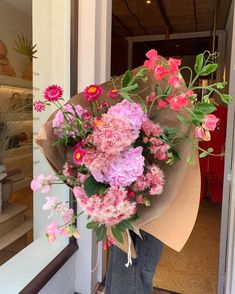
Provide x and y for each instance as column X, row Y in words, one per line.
column 174, row 81
column 53, row 93
column 52, row 231
column 39, row 106
column 210, row 122
column 51, row 205
column 67, row 215
column 159, row 72
column 43, row 183
column 177, row 102
column 161, row 104
column 153, row 56
column 201, row 133
column 174, row 65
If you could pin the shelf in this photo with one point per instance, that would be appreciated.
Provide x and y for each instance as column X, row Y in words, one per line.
column 15, row 82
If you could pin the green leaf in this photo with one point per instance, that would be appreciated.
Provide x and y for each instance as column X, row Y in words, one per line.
column 127, row 77
column 203, row 154
column 190, row 160
column 198, row 63
column 101, row 232
column 117, row 234
column 125, row 96
column 170, row 130
column 92, row 225
column 92, row 187
column 124, row 225
column 220, row 85
column 206, row 108
column 182, row 120
column 226, row 98
column 210, row 150
column 129, row 88
column 208, row 69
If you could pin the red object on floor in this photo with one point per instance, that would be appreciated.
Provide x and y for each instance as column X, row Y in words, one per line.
column 212, row 167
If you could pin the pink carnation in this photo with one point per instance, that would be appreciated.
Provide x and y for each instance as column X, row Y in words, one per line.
column 130, row 111
column 113, row 134
column 53, row 93
column 151, row 129
column 110, row 209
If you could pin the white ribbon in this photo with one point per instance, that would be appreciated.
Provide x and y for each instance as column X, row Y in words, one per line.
column 129, row 259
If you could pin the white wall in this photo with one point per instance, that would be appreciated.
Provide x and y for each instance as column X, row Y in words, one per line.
column 13, row 22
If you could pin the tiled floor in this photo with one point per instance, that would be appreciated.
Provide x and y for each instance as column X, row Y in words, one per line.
column 195, row 269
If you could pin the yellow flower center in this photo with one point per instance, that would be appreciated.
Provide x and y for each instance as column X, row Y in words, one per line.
column 92, row 90
column 78, row 155
column 114, row 91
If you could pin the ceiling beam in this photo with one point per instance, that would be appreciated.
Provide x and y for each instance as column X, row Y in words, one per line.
column 164, row 16
column 118, row 20
column 136, row 18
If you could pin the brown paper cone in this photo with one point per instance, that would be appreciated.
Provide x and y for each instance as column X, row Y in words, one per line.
column 172, row 215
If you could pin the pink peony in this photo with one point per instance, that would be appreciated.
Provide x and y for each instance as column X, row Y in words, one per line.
column 201, row 133
column 112, row 134
column 39, row 106
column 43, row 183
column 130, row 111
column 210, row 122
column 110, row 209
column 113, row 94
column 93, row 92
column 123, row 170
column 53, row 93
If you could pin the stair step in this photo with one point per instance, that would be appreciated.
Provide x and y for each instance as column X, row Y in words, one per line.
column 15, row 234
column 11, row 217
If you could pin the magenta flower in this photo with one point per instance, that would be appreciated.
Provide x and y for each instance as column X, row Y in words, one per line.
column 174, row 65
column 93, row 92
column 39, row 106
column 53, row 93
column 113, row 94
column 78, row 155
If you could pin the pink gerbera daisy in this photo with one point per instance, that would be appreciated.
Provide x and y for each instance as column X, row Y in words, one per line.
column 78, row 155
column 53, row 93
column 39, row 106
column 93, row 92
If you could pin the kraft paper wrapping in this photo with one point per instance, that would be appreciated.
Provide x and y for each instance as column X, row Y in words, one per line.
column 172, row 215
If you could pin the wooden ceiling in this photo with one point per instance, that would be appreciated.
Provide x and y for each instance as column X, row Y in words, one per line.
column 137, row 18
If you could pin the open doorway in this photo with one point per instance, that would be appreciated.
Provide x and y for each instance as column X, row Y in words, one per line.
column 182, row 30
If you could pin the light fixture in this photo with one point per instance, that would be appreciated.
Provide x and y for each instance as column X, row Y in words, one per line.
column 148, row 1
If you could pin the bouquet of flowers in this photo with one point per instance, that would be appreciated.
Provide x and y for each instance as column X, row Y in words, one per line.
column 118, row 145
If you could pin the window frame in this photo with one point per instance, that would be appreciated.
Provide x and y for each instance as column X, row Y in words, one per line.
column 44, row 276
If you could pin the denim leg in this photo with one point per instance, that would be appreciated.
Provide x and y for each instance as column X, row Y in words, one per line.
column 149, row 252
column 137, row 278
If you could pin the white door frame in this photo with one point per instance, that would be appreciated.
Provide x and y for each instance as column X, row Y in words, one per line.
column 94, row 59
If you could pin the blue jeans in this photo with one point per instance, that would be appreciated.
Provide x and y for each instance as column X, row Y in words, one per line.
column 137, row 278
